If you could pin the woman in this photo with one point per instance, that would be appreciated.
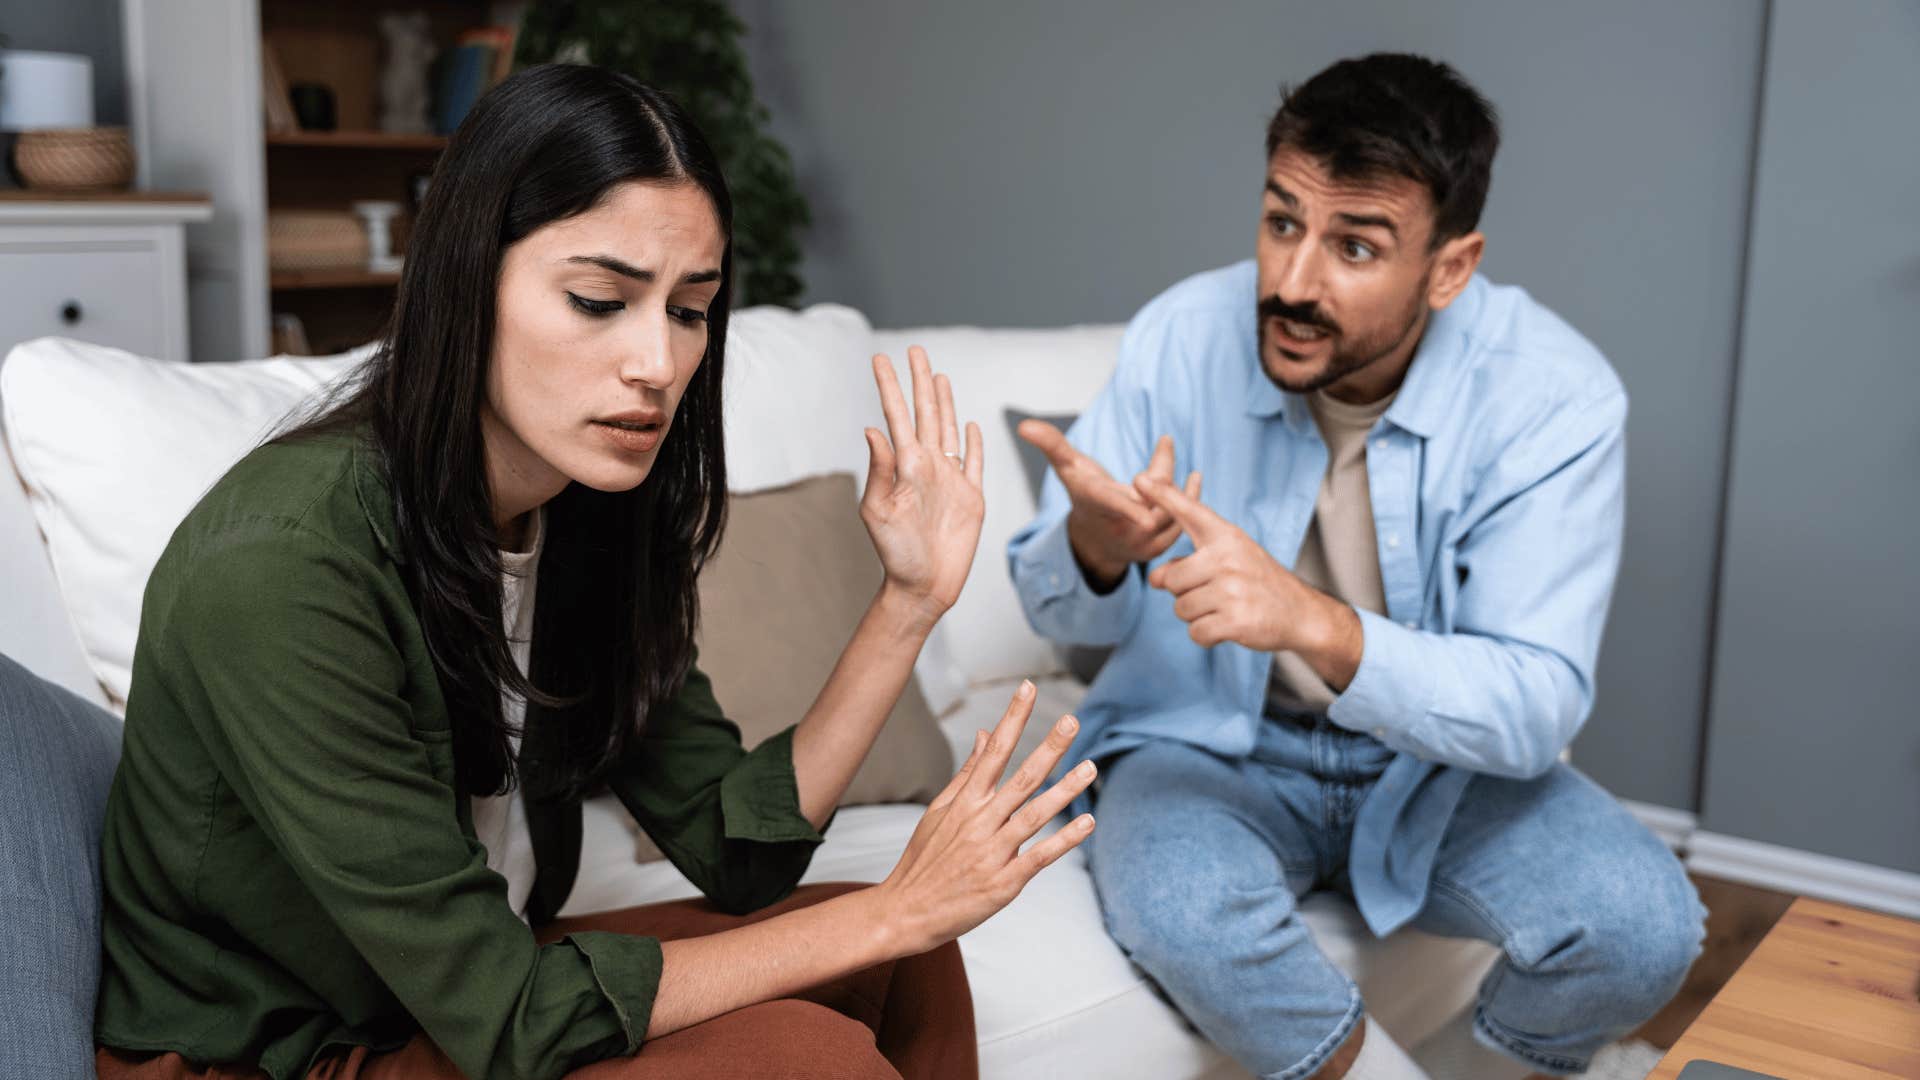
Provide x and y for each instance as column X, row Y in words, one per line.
column 336, row 650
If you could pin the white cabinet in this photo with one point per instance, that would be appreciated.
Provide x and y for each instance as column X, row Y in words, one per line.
column 109, row 272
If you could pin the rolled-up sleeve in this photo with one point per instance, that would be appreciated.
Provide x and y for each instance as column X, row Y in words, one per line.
column 1509, row 687
column 282, row 649
column 727, row 817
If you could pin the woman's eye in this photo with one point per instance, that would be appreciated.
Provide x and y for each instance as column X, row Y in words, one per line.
column 687, row 315
column 594, row 307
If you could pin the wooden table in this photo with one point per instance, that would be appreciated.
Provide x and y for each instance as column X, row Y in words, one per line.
column 1831, row 993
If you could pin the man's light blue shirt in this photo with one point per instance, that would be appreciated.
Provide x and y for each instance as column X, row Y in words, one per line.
column 1497, row 483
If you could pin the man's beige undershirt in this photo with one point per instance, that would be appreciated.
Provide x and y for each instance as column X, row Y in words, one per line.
column 1338, row 556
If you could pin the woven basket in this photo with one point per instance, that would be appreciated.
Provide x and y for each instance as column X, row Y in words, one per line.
column 75, row 159
column 316, row 240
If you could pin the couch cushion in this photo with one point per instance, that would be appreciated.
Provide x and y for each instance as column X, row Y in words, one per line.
column 57, row 758
column 1048, row 371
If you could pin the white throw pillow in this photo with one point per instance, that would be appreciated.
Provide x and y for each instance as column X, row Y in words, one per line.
column 1043, row 371
column 798, row 392
column 115, row 449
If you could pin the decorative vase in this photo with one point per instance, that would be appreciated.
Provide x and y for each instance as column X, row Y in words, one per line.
column 74, row 159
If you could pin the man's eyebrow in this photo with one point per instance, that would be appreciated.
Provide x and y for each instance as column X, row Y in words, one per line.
column 627, row 269
column 1281, row 193
column 1361, row 221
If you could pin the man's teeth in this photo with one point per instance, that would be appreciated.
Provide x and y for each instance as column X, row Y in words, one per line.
column 1301, row 331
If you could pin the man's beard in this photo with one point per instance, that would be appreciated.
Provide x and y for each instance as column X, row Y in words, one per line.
column 1346, row 357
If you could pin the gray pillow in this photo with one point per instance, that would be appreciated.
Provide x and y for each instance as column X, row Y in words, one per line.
column 57, row 757
column 1084, row 661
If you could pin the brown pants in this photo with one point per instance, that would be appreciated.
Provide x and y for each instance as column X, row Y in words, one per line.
column 911, row 1018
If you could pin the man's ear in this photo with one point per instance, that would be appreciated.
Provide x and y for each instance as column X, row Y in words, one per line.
column 1453, row 267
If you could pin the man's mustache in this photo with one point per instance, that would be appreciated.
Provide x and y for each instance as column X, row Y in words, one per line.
column 1308, row 314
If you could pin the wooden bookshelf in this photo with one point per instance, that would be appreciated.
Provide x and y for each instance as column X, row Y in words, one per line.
column 337, row 43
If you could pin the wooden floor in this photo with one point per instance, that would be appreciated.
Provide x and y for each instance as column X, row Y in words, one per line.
column 1738, row 917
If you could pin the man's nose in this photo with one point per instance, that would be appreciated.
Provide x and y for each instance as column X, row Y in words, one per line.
column 1300, row 278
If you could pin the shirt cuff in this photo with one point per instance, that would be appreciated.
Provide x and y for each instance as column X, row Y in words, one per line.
column 1048, row 573
column 627, row 969
column 1392, row 692
column 759, row 798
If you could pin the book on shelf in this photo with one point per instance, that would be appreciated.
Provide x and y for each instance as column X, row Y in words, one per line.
column 480, row 57
column 464, row 71
column 275, row 100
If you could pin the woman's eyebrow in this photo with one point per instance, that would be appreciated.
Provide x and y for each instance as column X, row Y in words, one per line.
column 627, row 269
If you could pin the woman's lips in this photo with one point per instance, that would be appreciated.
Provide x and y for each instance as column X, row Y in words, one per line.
column 637, row 441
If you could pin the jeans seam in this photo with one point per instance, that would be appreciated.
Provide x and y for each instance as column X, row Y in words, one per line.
column 1320, row 1053
column 1512, row 1044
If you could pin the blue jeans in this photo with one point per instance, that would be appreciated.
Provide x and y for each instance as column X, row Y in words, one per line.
column 1199, row 861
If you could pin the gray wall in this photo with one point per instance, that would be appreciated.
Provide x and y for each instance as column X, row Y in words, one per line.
column 88, row 27
column 1013, row 163
column 1813, row 740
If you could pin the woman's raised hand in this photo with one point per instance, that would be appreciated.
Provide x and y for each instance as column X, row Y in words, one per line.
column 923, row 504
column 964, row 861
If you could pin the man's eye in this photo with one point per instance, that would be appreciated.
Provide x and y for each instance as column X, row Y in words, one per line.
column 1355, row 251
column 1280, row 226
column 687, row 315
column 594, row 307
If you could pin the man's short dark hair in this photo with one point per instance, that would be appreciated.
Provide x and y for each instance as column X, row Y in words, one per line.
column 1399, row 115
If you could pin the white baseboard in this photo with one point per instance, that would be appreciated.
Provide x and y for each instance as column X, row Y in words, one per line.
column 1672, row 826
column 1791, row 870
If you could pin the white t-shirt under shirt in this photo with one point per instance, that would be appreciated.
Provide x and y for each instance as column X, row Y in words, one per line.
column 1338, row 555
column 500, row 821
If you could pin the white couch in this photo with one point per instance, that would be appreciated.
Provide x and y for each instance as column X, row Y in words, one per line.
column 111, row 449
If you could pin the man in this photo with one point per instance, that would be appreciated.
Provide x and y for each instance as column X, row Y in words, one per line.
column 1355, row 665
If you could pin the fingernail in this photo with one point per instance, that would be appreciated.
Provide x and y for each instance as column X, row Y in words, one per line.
column 1086, row 769
column 1026, row 688
column 1066, row 725
column 1084, row 821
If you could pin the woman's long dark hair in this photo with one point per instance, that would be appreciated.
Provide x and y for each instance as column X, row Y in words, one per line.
column 617, row 605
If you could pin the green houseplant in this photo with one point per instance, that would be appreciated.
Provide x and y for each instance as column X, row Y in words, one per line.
column 691, row 49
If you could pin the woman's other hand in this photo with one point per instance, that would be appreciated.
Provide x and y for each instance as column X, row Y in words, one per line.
column 923, row 504
column 965, row 862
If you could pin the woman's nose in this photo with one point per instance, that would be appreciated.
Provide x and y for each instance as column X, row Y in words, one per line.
column 648, row 356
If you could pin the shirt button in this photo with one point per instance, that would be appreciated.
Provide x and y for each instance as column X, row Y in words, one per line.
column 1380, row 446
column 1379, row 733
column 1411, row 624
column 1053, row 580
column 1393, row 541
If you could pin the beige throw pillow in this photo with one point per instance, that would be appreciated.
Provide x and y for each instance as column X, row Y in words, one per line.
column 778, row 602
